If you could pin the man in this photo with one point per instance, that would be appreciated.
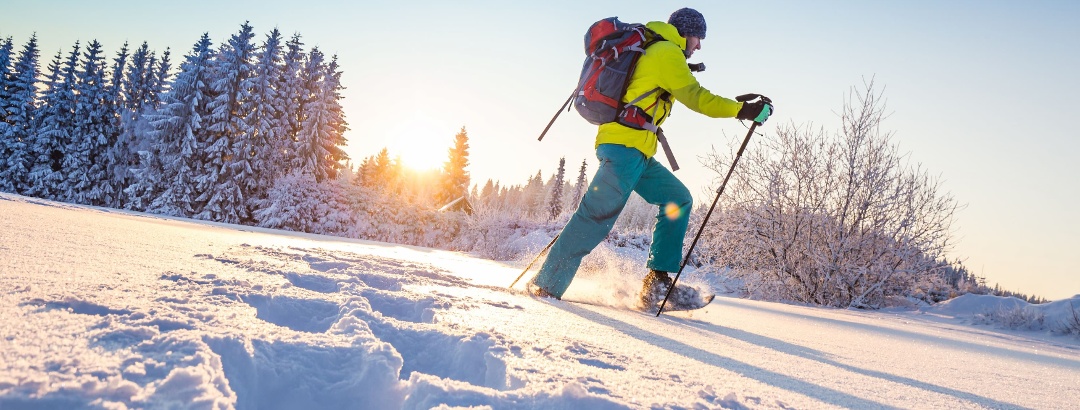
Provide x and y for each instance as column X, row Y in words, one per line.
column 627, row 165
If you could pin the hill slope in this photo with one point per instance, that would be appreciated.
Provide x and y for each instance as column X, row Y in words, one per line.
column 107, row 309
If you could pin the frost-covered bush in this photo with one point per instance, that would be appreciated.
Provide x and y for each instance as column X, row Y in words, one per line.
column 837, row 219
column 1016, row 318
column 296, row 202
column 503, row 236
column 1070, row 325
column 386, row 217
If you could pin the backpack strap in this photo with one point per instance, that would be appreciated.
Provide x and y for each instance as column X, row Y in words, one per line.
column 642, row 97
column 667, row 149
column 649, row 124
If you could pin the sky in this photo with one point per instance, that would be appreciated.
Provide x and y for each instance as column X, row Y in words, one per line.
column 226, row 317
column 981, row 93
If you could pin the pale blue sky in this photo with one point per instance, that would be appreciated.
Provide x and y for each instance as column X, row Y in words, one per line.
column 982, row 93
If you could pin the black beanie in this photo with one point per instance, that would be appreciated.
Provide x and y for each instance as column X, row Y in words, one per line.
column 689, row 22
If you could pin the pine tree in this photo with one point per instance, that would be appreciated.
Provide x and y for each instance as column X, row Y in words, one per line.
column 6, row 48
column 379, row 172
column 137, row 80
column 16, row 131
column 318, row 150
column 293, row 98
column 455, row 179
column 555, row 202
column 114, row 157
column 579, row 187
column 266, row 121
column 228, row 167
column 336, row 125
column 57, row 132
column 83, row 160
column 168, row 168
column 532, row 195
column 54, row 120
column 159, row 80
column 134, row 102
column 488, row 190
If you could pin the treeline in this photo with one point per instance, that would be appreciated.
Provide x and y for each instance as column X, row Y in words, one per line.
column 540, row 198
column 208, row 142
column 964, row 281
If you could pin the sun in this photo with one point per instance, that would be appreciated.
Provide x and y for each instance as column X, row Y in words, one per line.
column 422, row 142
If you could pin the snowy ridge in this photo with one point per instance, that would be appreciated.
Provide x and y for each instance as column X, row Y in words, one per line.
column 122, row 310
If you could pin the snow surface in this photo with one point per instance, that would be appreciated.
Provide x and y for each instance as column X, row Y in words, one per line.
column 109, row 309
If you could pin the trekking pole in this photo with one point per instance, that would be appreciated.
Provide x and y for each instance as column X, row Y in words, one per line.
column 542, row 252
column 720, row 191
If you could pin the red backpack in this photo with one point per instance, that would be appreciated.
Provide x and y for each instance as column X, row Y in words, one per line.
column 612, row 50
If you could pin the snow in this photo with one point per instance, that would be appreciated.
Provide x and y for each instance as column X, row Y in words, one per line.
column 108, row 309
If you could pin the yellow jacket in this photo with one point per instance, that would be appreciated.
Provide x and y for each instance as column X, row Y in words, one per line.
column 664, row 65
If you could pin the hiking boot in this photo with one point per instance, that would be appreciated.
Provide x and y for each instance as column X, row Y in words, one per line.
column 535, row 290
column 654, row 288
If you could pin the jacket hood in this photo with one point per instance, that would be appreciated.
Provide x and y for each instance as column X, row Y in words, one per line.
column 668, row 32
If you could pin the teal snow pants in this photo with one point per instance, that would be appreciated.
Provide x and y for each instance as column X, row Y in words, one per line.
column 622, row 170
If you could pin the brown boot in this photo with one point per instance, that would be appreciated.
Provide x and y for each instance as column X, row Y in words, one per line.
column 535, row 290
column 654, row 289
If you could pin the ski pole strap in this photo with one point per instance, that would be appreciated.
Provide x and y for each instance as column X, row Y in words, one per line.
column 667, row 149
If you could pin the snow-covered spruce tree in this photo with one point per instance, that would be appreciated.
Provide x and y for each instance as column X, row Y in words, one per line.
column 171, row 152
column 160, row 84
column 266, row 121
column 487, row 193
column 138, row 190
column 113, row 158
column 838, row 220
column 228, row 167
column 555, row 200
column 85, row 181
column 322, row 129
column 138, row 98
column 376, row 171
column 54, row 121
column 138, row 79
column 133, row 88
column 580, row 186
column 17, row 107
column 333, row 137
column 291, row 91
column 297, row 203
column 455, row 179
column 7, row 47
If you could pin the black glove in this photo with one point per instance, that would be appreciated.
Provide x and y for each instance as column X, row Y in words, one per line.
column 757, row 111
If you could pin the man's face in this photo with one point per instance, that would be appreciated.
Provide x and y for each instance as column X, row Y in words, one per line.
column 692, row 44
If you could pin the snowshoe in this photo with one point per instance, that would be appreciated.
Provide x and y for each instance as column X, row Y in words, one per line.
column 684, row 297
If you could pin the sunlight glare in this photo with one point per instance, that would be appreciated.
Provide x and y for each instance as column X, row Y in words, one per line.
column 422, row 142
column 672, row 211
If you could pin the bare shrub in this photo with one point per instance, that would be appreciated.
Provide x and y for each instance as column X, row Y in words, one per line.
column 1071, row 324
column 838, row 220
column 1020, row 318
